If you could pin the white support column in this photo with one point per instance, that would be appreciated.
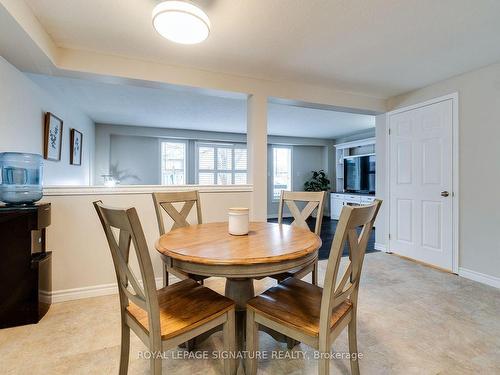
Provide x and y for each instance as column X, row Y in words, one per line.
column 257, row 154
column 381, row 183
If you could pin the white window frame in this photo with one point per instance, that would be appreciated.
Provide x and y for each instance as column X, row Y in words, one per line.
column 186, row 156
column 276, row 199
column 215, row 171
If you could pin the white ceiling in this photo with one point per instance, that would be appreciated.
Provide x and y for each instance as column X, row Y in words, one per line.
column 111, row 103
column 377, row 47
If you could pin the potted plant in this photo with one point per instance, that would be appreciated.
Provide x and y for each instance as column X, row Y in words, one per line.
column 318, row 182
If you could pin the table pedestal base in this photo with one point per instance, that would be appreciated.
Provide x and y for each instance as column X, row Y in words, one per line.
column 240, row 291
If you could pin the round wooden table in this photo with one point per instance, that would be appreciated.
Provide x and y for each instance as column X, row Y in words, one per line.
column 209, row 250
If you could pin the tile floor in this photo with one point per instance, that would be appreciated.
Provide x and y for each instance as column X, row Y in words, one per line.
column 412, row 320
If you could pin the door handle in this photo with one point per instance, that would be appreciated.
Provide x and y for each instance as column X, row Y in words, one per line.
column 445, row 194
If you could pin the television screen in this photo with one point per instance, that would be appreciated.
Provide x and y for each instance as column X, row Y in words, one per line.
column 359, row 174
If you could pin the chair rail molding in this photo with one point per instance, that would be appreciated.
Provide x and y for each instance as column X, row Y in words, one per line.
column 141, row 189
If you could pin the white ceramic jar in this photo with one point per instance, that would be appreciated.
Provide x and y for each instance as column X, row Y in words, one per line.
column 238, row 221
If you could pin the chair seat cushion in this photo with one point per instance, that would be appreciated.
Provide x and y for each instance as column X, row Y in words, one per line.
column 297, row 304
column 183, row 306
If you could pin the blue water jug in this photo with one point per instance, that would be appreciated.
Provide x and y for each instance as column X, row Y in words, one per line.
column 21, row 178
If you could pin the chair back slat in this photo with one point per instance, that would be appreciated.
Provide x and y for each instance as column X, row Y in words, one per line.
column 136, row 299
column 164, row 202
column 122, row 259
column 126, row 221
column 315, row 201
column 347, row 277
column 341, row 286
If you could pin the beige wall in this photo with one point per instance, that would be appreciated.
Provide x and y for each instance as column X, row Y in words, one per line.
column 479, row 163
column 20, row 25
column 305, row 159
column 22, row 107
column 81, row 257
column 21, row 35
column 137, row 160
column 257, row 154
column 104, row 152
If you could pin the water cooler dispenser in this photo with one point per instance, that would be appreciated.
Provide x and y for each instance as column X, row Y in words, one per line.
column 25, row 264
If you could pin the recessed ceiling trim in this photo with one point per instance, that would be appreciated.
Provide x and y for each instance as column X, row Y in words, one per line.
column 324, row 107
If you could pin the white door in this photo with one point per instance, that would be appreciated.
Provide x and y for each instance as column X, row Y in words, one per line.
column 421, row 176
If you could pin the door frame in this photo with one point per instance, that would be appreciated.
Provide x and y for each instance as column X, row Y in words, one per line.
column 455, row 170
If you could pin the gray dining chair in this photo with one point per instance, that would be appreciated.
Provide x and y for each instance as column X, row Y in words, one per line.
column 314, row 315
column 162, row 318
column 164, row 203
column 314, row 201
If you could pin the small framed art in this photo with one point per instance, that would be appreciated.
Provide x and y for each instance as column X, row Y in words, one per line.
column 52, row 137
column 76, row 142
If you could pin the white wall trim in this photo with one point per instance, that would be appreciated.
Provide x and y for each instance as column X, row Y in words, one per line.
column 84, row 292
column 380, row 247
column 93, row 291
column 479, row 277
column 109, row 289
column 456, row 183
column 361, row 142
column 140, row 189
column 424, row 103
column 455, row 160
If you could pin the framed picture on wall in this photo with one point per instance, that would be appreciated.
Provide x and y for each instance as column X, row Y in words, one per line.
column 52, row 140
column 75, row 152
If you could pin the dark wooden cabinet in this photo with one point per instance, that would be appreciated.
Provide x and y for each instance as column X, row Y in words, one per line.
column 25, row 265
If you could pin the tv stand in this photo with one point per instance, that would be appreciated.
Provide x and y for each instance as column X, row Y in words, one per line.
column 348, row 149
column 339, row 200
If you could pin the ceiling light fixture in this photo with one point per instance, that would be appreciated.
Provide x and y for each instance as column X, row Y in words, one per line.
column 181, row 22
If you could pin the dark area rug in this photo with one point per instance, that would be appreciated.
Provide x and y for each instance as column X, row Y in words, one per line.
column 328, row 228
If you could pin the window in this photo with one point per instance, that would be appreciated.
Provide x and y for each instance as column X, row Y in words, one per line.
column 282, row 170
column 173, row 163
column 222, row 164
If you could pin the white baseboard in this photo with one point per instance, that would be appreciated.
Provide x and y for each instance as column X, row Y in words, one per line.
column 479, row 277
column 85, row 292
column 92, row 291
column 108, row 289
column 380, row 247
